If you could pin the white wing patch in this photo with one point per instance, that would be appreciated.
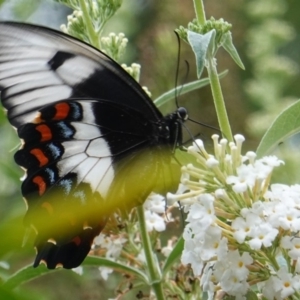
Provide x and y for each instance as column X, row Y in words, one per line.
column 80, row 67
column 31, row 81
column 18, row 105
column 74, row 147
column 85, row 131
column 45, row 94
column 67, row 165
column 98, row 147
column 88, row 114
column 101, row 176
column 90, row 160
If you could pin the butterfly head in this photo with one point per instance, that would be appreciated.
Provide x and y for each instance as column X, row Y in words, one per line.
column 182, row 114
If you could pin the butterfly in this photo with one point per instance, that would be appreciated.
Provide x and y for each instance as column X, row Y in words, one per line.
column 92, row 139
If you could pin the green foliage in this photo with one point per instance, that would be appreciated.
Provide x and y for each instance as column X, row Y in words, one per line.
column 189, row 87
column 285, row 125
column 207, row 39
column 268, row 90
column 23, row 9
column 89, row 18
column 220, row 26
column 202, row 45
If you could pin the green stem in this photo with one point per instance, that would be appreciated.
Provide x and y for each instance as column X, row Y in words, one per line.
column 93, row 36
column 219, row 100
column 153, row 267
column 199, row 10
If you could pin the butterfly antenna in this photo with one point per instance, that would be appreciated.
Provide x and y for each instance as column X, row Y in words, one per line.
column 191, row 135
column 206, row 125
column 177, row 69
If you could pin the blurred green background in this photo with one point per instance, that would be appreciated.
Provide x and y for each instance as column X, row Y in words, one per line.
column 266, row 35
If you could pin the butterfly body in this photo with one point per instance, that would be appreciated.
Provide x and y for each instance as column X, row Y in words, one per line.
column 93, row 141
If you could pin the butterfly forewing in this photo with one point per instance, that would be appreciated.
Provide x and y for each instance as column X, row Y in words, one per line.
column 62, row 68
column 93, row 142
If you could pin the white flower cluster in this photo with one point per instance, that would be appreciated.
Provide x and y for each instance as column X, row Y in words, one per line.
column 113, row 246
column 114, row 45
column 241, row 232
column 154, row 207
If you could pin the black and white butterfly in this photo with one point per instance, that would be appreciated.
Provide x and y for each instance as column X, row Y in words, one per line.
column 93, row 141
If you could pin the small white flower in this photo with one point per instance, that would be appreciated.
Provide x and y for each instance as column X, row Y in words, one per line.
column 155, row 203
column 232, row 284
column 286, row 283
column 297, row 269
column 190, row 255
column 115, row 248
column 246, row 178
column 250, row 155
column 211, row 243
column 103, row 241
column 206, row 279
column 272, row 161
column 222, row 249
column 141, row 256
column 293, row 244
column 201, row 216
column 212, row 162
column 242, row 226
column 270, row 290
column 154, row 221
column 239, row 262
column 78, row 270
column 113, row 244
column 167, row 249
column 263, row 234
column 104, row 272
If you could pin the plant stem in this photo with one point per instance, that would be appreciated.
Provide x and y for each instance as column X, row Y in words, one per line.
column 214, row 80
column 153, row 267
column 93, row 36
column 199, row 10
column 219, row 100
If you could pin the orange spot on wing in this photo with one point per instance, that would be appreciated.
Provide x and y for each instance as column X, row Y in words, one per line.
column 62, row 111
column 38, row 119
column 48, row 207
column 76, row 240
column 40, row 156
column 45, row 132
column 39, row 180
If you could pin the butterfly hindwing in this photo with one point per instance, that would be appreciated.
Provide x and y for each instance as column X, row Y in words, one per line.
column 93, row 142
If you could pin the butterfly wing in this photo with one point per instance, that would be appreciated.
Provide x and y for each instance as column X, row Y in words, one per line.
column 80, row 168
column 39, row 66
column 92, row 138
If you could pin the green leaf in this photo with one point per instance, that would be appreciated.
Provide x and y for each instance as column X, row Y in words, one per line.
column 203, row 47
column 173, row 256
column 181, row 90
column 12, row 233
column 104, row 262
column 229, row 47
column 284, row 126
column 9, row 295
column 23, row 9
column 26, row 274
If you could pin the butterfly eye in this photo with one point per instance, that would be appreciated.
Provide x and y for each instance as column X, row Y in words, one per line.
column 182, row 113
